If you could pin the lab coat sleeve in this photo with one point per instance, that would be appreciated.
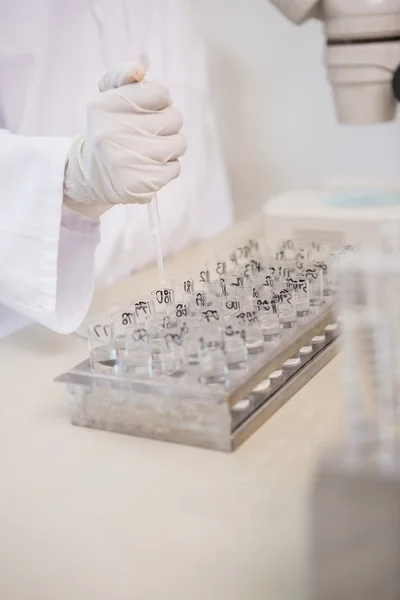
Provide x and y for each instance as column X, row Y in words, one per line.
column 46, row 253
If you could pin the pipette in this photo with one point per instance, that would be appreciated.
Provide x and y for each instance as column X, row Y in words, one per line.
column 154, row 222
column 152, row 207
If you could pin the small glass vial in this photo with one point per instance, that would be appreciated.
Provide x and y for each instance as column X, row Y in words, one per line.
column 183, row 288
column 102, row 349
column 137, row 359
column 213, row 368
column 162, row 299
column 163, row 356
column 286, row 306
column 235, row 344
column 142, row 309
column 299, row 286
column 248, row 319
column 121, row 321
column 314, row 275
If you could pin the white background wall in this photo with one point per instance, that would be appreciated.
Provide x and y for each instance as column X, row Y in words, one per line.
column 274, row 108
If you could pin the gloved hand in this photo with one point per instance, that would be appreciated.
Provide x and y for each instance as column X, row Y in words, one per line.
column 131, row 147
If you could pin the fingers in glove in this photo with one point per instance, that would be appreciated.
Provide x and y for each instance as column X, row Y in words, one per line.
column 163, row 122
column 149, row 182
column 163, row 149
column 137, row 98
column 171, row 170
column 121, row 74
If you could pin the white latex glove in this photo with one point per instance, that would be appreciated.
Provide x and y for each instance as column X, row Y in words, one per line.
column 131, row 147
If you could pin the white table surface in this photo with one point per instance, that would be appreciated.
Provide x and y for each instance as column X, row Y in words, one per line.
column 88, row 515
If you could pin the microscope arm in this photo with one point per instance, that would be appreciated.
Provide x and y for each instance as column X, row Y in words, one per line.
column 362, row 54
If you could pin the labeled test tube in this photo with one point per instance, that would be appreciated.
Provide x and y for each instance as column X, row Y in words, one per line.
column 230, row 305
column 218, row 266
column 286, row 306
column 212, row 364
column 315, row 277
column 198, row 303
column 299, row 286
column 102, row 349
column 331, row 280
column 201, row 277
column 216, row 288
column 163, row 355
column 142, row 309
column 183, row 288
column 234, row 281
column 136, row 358
column 247, row 318
column 280, row 269
column 180, row 311
column 211, row 315
column 235, row 343
column 162, row 299
column 243, row 252
column 120, row 322
column 268, row 317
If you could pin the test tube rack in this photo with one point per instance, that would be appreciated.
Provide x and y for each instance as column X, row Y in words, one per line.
column 215, row 417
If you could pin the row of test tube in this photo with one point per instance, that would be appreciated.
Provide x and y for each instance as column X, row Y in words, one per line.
column 219, row 315
column 370, row 287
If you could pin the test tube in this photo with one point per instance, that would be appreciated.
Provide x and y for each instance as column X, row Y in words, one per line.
column 268, row 314
column 314, row 274
column 218, row 266
column 191, row 342
column 256, row 246
column 302, row 257
column 198, row 303
column 280, row 269
column 233, row 260
column 216, row 288
column 142, row 309
column 175, row 339
column 162, row 299
column 299, row 286
column 137, row 359
column 267, row 279
column 286, row 250
column 180, row 311
column 331, row 281
column 319, row 253
column 248, row 319
column 230, row 305
column 120, row 322
column 201, row 277
column 210, row 315
column 234, row 283
column 213, row 368
column 163, row 356
column 235, row 343
column 243, row 253
column 102, row 349
column 183, row 288
column 286, row 306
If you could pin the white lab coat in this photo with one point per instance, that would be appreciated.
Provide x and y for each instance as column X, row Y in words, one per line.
column 51, row 54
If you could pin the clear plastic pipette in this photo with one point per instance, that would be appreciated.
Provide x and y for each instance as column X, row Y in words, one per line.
column 152, row 207
column 154, row 221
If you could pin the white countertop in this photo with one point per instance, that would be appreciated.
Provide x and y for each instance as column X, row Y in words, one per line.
column 89, row 515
